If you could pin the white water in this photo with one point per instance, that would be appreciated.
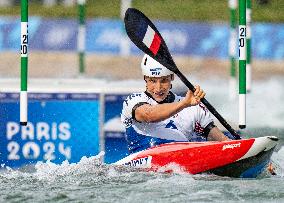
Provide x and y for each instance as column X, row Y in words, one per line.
column 91, row 181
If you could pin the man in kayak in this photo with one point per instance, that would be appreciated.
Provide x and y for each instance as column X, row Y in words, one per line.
column 159, row 116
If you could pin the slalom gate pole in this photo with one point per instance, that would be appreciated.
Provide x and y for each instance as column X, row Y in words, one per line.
column 124, row 5
column 124, row 42
column 24, row 63
column 242, row 64
column 248, row 67
column 81, row 34
column 233, row 49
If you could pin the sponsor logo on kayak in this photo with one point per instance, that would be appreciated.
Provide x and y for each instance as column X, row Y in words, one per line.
column 144, row 162
column 231, row 146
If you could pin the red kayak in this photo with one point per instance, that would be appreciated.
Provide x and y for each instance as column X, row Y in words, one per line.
column 245, row 158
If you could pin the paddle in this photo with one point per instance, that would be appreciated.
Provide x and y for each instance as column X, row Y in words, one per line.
column 146, row 37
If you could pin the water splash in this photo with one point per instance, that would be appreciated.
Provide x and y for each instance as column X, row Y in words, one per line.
column 278, row 162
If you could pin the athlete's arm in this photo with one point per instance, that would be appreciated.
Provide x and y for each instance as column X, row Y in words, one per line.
column 159, row 112
column 216, row 135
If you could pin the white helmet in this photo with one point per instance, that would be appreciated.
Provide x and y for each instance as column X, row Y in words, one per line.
column 151, row 68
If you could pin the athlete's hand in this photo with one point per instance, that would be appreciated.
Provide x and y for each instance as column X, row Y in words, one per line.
column 193, row 98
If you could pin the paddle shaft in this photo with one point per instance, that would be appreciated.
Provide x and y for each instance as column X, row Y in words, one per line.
column 208, row 105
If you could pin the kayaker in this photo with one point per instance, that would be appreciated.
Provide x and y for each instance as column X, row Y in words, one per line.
column 159, row 116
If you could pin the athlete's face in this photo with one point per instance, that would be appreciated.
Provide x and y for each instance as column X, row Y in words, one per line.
column 159, row 87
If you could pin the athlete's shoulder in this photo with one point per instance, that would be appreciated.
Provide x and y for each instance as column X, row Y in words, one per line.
column 129, row 103
column 135, row 97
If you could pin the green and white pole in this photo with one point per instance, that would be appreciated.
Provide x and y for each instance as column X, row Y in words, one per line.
column 248, row 68
column 233, row 49
column 124, row 5
column 242, row 64
column 24, row 63
column 124, row 41
column 81, row 34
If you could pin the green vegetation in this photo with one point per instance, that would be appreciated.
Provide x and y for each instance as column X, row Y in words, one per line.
column 186, row 10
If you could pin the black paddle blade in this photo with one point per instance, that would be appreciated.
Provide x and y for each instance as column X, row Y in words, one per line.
column 146, row 37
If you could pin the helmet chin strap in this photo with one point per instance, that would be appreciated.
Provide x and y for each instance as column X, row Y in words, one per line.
column 168, row 99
